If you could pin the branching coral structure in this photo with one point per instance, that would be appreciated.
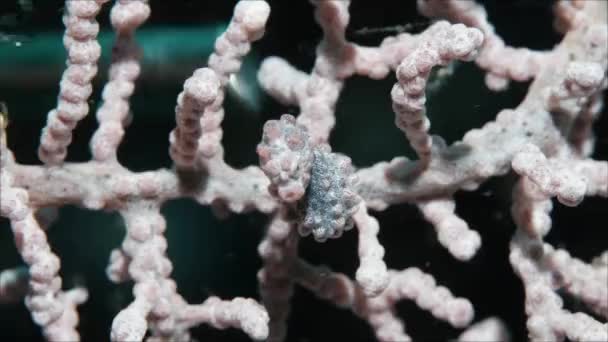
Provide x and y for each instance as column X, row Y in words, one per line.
column 308, row 189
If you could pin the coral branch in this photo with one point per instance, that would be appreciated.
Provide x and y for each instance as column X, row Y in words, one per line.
column 75, row 88
column 200, row 90
column 113, row 114
column 452, row 231
column 247, row 25
column 446, row 43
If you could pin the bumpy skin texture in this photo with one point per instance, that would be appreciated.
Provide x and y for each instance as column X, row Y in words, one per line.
column 313, row 178
column 286, row 157
column 329, row 203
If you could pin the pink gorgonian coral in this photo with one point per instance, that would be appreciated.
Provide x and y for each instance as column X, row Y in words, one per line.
column 543, row 145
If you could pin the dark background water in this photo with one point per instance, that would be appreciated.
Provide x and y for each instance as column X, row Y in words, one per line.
column 218, row 257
